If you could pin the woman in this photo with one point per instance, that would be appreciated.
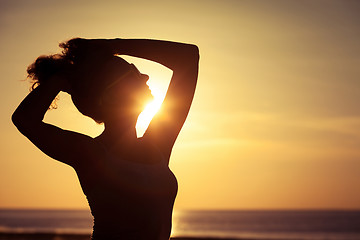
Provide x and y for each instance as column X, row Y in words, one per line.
column 127, row 181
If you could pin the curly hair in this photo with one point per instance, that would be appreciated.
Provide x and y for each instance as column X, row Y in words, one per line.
column 66, row 64
column 43, row 68
column 74, row 51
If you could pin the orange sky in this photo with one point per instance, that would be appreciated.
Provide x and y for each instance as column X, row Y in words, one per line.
column 275, row 121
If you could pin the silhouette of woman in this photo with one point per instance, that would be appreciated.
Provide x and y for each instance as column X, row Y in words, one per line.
column 127, row 181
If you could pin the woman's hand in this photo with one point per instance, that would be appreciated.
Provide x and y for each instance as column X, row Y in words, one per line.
column 89, row 47
column 61, row 82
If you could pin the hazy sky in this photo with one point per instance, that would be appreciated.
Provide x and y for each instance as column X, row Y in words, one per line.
column 275, row 121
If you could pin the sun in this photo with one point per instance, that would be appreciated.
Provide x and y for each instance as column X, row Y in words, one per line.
column 145, row 116
column 159, row 80
column 148, row 113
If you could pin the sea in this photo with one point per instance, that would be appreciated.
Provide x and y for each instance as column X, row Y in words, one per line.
column 235, row 224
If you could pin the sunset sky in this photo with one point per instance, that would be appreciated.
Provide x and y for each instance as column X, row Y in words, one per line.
column 275, row 122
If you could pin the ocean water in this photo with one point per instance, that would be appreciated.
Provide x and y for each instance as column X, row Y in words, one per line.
column 290, row 225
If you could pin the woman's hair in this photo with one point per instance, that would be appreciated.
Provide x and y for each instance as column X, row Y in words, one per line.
column 44, row 67
column 76, row 53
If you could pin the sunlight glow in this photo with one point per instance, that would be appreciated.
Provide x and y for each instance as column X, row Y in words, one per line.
column 145, row 116
column 151, row 108
column 159, row 79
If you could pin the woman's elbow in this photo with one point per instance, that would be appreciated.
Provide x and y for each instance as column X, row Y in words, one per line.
column 21, row 122
column 194, row 53
column 189, row 58
column 16, row 119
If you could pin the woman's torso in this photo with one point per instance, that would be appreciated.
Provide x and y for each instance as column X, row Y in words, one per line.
column 129, row 199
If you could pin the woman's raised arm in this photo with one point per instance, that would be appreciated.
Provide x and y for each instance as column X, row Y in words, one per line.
column 62, row 145
column 183, row 60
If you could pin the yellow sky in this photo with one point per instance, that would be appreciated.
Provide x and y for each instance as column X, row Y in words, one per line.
column 275, row 121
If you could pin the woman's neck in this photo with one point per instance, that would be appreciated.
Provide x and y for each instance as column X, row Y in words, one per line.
column 119, row 132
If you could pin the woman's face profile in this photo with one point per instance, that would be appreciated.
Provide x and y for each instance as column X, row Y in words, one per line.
column 111, row 86
column 124, row 85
